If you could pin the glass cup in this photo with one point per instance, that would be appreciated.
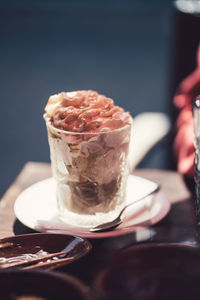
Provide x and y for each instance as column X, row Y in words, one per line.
column 196, row 120
column 91, row 171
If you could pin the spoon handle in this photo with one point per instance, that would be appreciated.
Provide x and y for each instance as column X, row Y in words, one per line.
column 47, row 264
column 29, row 262
column 155, row 190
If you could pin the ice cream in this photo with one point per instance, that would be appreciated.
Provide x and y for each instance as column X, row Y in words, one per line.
column 89, row 144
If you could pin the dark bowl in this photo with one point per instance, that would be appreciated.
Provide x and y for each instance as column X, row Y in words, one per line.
column 42, row 285
column 23, row 248
column 152, row 271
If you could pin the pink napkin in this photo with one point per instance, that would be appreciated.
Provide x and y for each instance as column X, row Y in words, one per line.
column 183, row 144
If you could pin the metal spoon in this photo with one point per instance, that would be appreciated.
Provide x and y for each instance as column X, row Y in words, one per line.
column 118, row 220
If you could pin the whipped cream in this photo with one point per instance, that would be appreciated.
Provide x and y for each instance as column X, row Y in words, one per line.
column 85, row 111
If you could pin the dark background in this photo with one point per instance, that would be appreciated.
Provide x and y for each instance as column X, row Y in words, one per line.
column 123, row 49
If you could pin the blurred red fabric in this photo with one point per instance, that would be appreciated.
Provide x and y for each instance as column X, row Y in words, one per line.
column 184, row 139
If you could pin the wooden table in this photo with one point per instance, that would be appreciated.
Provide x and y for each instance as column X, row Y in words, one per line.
column 177, row 226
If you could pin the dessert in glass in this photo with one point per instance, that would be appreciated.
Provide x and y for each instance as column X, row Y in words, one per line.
column 89, row 139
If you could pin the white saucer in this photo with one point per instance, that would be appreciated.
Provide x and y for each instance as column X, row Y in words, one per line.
column 36, row 207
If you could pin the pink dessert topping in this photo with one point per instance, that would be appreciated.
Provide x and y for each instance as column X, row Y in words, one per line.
column 85, row 111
